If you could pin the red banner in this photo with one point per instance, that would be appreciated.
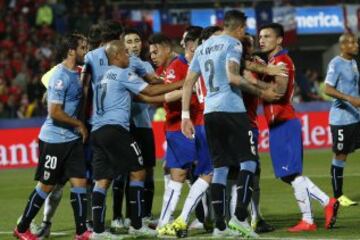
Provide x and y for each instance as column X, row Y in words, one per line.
column 19, row 147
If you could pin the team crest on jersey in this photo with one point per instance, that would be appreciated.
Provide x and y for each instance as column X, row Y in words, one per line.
column 46, row 175
column 171, row 74
column 340, row 146
column 59, row 85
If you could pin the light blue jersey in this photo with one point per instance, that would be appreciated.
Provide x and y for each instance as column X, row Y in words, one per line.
column 96, row 62
column 140, row 111
column 210, row 60
column 343, row 75
column 64, row 88
column 112, row 97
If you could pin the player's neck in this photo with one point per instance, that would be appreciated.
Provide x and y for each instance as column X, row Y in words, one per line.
column 274, row 52
column 69, row 63
column 169, row 59
column 346, row 56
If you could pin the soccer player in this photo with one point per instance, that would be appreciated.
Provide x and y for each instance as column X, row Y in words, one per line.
column 181, row 152
column 342, row 83
column 251, row 103
column 218, row 61
column 61, row 141
column 114, row 150
column 285, row 138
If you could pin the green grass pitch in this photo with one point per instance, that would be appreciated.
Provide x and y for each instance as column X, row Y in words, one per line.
column 277, row 201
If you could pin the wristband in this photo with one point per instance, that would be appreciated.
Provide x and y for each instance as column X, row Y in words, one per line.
column 185, row 115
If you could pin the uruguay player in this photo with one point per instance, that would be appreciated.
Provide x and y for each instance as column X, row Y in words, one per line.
column 342, row 83
column 218, row 61
column 286, row 147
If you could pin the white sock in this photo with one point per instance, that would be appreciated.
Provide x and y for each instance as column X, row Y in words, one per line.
column 233, row 200
column 52, row 202
column 170, row 199
column 303, row 199
column 167, row 178
column 316, row 193
column 198, row 188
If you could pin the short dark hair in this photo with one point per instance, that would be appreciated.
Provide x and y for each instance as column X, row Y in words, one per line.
column 233, row 19
column 94, row 36
column 111, row 30
column 278, row 29
column 68, row 42
column 208, row 31
column 129, row 30
column 159, row 38
column 193, row 34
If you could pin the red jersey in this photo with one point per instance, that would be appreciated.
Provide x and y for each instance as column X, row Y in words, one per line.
column 281, row 110
column 176, row 71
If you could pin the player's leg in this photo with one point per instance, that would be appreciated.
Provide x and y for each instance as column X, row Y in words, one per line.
column 344, row 142
column 118, row 191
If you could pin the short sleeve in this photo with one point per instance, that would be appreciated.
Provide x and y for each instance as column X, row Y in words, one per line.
column 57, row 89
column 332, row 74
column 234, row 52
column 148, row 68
column 138, row 66
column 195, row 63
column 133, row 83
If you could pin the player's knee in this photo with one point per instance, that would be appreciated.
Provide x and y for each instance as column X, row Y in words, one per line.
column 249, row 166
column 220, row 175
column 57, row 192
column 44, row 187
column 78, row 182
column 290, row 178
column 178, row 174
column 138, row 175
column 103, row 184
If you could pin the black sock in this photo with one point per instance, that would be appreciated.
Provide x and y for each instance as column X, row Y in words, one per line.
column 244, row 192
column 35, row 201
column 79, row 203
column 218, row 203
column 337, row 174
column 99, row 209
column 148, row 197
column 136, row 205
column 199, row 211
column 127, row 200
column 118, row 189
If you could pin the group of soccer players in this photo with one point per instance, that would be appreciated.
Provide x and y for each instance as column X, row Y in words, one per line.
column 210, row 95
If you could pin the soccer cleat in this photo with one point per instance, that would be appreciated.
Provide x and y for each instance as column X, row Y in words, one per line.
column 180, row 227
column 166, row 230
column 346, row 202
column 242, row 227
column 144, row 231
column 196, row 225
column 227, row 232
column 261, row 226
column 104, row 236
column 330, row 213
column 303, row 226
column 34, row 228
column 89, row 225
column 85, row 236
column 44, row 230
column 117, row 225
column 24, row 236
column 127, row 223
column 150, row 222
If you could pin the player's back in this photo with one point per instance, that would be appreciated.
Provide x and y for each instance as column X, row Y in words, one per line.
column 211, row 58
column 282, row 109
column 112, row 97
column 97, row 61
column 343, row 75
column 64, row 88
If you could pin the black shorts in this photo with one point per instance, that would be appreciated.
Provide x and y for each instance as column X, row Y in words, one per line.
column 114, row 152
column 145, row 138
column 230, row 138
column 60, row 161
column 346, row 138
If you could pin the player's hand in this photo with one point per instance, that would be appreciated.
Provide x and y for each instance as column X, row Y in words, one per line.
column 187, row 128
column 270, row 95
column 83, row 132
column 250, row 77
column 355, row 101
column 277, row 70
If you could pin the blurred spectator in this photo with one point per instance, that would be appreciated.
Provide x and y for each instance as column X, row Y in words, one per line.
column 44, row 15
column 3, row 112
column 307, row 82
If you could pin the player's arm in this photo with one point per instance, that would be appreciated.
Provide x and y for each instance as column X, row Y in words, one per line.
column 252, row 86
column 85, row 79
column 157, row 89
column 167, row 97
column 333, row 92
column 272, row 70
column 186, row 124
column 152, row 78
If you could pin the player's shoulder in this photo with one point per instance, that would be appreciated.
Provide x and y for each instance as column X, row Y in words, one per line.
column 95, row 53
column 337, row 60
column 60, row 78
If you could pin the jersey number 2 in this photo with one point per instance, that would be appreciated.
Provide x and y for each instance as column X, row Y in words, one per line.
column 210, row 67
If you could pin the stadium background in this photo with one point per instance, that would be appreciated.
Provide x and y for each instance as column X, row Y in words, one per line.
column 29, row 31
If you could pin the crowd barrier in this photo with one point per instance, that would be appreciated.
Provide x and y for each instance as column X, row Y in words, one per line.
column 19, row 142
